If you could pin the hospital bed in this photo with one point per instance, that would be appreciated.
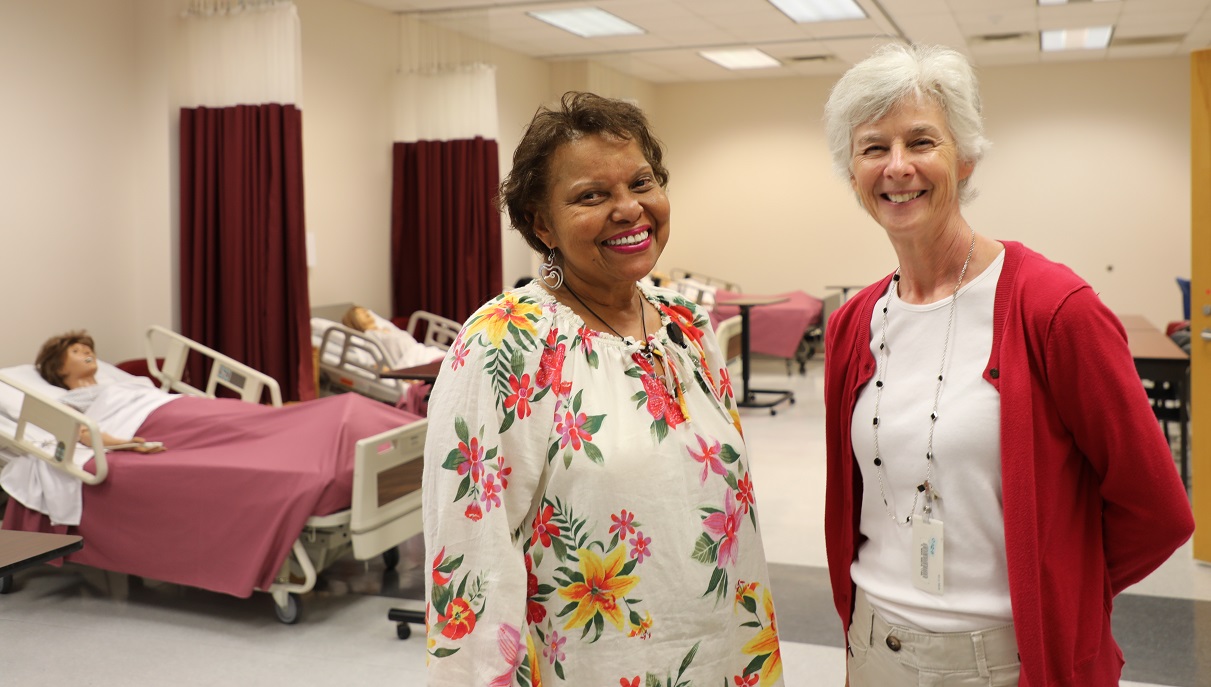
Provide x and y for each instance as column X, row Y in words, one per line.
column 382, row 511
column 349, row 360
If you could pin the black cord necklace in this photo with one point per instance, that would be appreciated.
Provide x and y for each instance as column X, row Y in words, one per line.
column 645, row 348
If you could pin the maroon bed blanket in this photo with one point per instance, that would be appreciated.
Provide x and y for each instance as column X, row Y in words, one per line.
column 222, row 506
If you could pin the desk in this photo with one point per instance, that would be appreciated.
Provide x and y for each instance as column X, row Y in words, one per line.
column 1161, row 361
column 748, row 396
column 425, row 373
column 21, row 550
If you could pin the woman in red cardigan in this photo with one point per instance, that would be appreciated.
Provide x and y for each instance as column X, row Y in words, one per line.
column 995, row 473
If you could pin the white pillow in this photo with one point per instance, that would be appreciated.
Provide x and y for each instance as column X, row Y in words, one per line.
column 11, row 398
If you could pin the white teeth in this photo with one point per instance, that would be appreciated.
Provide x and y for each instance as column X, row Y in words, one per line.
column 629, row 240
column 904, row 197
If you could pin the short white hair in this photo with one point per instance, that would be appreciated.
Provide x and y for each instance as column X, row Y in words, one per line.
column 897, row 73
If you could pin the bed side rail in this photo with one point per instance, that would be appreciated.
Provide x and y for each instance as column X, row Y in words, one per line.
column 225, row 371
column 439, row 331
column 386, row 506
column 64, row 424
column 352, row 343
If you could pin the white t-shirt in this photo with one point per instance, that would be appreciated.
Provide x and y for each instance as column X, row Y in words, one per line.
column 966, row 471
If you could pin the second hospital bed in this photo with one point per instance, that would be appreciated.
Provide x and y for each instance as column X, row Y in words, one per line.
column 217, row 518
column 349, row 360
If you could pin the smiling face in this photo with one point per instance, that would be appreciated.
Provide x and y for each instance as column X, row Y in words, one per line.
column 79, row 363
column 604, row 211
column 906, row 169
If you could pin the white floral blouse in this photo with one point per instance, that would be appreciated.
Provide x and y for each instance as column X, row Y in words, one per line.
column 589, row 521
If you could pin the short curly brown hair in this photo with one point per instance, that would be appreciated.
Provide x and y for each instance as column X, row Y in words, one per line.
column 580, row 114
column 54, row 352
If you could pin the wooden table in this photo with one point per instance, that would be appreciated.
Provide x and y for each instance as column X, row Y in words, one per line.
column 425, row 373
column 1159, row 360
column 21, row 550
column 748, row 396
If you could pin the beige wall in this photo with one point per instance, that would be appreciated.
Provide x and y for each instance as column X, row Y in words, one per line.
column 83, row 174
column 1089, row 165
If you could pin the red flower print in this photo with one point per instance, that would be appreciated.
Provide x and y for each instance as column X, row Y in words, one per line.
column 544, row 529
column 502, row 473
column 639, row 546
column 749, row 681
column 658, row 396
column 439, row 577
column 745, row 494
column 633, row 682
column 491, row 495
column 474, row 463
column 550, row 365
column 458, row 355
column 586, row 339
column 459, row 619
column 709, row 458
column 622, row 523
column 725, row 382
column 726, row 526
column 473, row 512
column 571, row 430
column 520, row 396
column 535, row 612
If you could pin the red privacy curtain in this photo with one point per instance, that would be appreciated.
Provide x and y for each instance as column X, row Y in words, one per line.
column 243, row 254
column 445, row 228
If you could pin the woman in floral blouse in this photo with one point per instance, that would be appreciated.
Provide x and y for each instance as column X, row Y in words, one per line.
column 588, row 508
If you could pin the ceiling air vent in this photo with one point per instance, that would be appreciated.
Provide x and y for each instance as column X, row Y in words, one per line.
column 1117, row 42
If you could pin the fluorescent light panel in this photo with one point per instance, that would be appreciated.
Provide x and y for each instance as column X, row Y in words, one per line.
column 588, row 22
column 1092, row 38
column 748, row 58
column 804, row 11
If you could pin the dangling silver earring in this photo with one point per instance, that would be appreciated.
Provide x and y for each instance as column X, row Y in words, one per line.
column 551, row 274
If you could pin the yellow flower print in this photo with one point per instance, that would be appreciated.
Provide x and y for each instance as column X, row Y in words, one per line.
column 766, row 642
column 495, row 318
column 644, row 628
column 746, row 595
column 601, row 590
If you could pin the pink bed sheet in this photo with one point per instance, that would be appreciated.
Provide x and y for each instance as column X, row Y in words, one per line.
column 222, row 506
column 776, row 329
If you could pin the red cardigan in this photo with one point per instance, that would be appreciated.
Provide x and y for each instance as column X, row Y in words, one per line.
column 1092, row 502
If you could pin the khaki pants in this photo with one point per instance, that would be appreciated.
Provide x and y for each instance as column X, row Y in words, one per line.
column 885, row 655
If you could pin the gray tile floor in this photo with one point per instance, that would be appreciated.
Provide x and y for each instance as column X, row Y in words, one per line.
column 80, row 626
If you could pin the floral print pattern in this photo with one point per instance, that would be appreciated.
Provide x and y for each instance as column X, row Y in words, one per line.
column 552, row 453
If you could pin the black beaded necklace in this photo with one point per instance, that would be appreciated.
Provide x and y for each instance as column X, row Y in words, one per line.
column 645, row 348
column 924, row 487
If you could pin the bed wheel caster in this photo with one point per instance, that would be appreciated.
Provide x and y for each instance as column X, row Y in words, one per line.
column 391, row 559
column 291, row 612
column 6, row 584
column 773, row 411
column 402, row 618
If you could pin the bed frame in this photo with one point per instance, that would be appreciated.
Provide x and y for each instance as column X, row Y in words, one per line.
column 385, row 506
column 350, row 371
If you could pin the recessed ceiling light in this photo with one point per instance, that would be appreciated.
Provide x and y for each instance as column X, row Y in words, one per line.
column 588, row 22
column 803, row 11
column 748, row 58
column 1092, row 38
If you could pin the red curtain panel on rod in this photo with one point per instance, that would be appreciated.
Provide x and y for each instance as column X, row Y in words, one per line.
column 243, row 250
column 445, row 228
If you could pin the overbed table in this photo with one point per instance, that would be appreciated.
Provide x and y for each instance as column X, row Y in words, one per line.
column 748, row 396
column 1161, row 361
column 21, row 550
column 425, row 373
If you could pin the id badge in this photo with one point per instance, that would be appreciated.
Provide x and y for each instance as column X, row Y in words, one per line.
column 927, row 555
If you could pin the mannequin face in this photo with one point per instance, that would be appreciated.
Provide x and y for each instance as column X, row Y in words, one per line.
column 363, row 318
column 79, row 364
